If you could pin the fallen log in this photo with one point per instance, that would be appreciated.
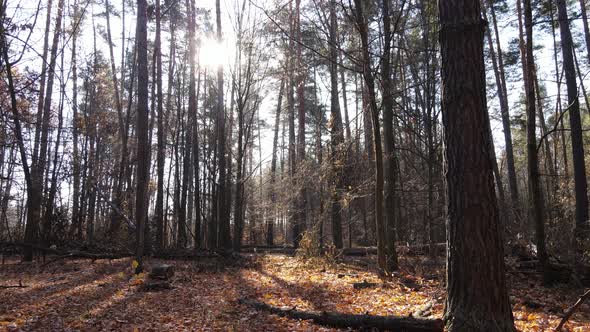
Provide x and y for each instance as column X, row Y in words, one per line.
column 13, row 286
column 364, row 284
column 269, row 250
column 340, row 320
column 571, row 310
column 155, row 285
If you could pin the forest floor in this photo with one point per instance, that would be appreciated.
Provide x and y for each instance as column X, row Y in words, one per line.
column 70, row 295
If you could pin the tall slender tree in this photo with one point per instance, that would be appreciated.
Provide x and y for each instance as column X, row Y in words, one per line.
column 580, row 182
column 143, row 162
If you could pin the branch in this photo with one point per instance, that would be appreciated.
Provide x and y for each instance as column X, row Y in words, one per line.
column 571, row 310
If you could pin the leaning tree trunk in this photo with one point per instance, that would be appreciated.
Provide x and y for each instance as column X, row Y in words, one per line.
column 477, row 297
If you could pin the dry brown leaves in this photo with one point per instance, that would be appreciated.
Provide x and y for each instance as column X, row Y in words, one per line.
column 80, row 295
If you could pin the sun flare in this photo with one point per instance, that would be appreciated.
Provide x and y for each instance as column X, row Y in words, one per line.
column 213, row 53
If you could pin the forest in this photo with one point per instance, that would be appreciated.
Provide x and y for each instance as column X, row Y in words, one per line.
column 294, row 165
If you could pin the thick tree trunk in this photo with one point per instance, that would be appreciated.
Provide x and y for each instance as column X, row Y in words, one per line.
column 477, row 296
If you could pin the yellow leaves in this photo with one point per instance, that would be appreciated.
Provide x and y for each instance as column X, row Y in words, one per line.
column 134, row 264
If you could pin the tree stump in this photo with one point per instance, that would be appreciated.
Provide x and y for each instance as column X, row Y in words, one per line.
column 162, row 272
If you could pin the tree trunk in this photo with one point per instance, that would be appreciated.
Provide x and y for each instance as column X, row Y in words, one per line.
column 537, row 212
column 585, row 25
column 273, row 168
column 337, row 158
column 377, row 149
column 143, row 162
column 389, row 165
column 224, row 237
column 477, row 296
column 580, row 184
column 498, row 65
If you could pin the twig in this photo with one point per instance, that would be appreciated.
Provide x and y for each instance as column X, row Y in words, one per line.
column 571, row 310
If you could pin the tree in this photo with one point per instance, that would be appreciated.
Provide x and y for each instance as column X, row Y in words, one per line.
column 369, row 80
column 143, row 162
column 537, row 213
column 477, row 297
column 223, row 238
column 580, row 184
column 336, row 134
column 388, row 138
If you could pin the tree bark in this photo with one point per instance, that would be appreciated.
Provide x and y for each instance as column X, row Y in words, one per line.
column 477, row 296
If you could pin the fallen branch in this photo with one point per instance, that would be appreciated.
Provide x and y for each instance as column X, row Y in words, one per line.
column 83, row 254
column 571, row 310
column 20, row 285
column 340, row 320
column 364, row 284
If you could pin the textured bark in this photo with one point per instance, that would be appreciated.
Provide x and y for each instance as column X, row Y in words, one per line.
column 477, row 297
